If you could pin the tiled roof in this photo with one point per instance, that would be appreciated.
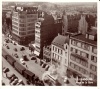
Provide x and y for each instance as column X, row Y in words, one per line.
column 60, row 41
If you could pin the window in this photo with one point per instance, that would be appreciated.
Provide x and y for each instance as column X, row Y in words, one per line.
column 66, row 54
column 53, row 54
column 83, row 63
column 53, row 48
column 22, row 33
column 15, row 27
column 94, row 59
column 91, row 37
column 22, row 16
column 84, row 54
column 92, row 67
column 74, row 50
column 71, row 64
column 79, row 44
column 22, row 25
column 85, row 46
column 94, row 50
column 77, row 67
column 78, row 52
column 22, row 29
column 77, row 60
column 66, row 46
column 85, row 72
column 22, row 21
column 15, row 31
column 58, row 50
column 71, row 49
column 74, row 42
column 72, row 58
column 61, row 51
column 93, row 76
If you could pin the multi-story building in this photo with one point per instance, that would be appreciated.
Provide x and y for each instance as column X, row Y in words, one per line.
column 45, row 31
column 23, row 24
column 59, row 53
column 7, row 20
column 83, row 54
column 70, row 22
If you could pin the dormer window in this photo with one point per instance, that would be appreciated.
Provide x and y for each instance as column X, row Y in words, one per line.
column 91, row 37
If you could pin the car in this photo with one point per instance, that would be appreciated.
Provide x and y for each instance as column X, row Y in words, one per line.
column 25, row 58
column 16, row 55
column 14, row 82
column 14, row 43
column 7, row 41
column 33, row 58
column 5, row 70
column 7, row 47
column 15, row 49
column 22, row 49
column 22, row 61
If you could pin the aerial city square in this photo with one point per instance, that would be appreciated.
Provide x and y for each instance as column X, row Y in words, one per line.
column 49, row 44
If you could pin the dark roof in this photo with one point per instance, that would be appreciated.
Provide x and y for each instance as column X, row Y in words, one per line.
column 82, row 38
column 60, row 41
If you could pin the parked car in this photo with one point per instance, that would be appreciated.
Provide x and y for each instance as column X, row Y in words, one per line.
column 15, row 49
column 14, row 43
column 33, row 58
column 7, row 40
column 25, row 58
column 7, row 47
column 22, row 49
column 14, row 82
column 16, row 55
column 22, row 61
column 5, row 70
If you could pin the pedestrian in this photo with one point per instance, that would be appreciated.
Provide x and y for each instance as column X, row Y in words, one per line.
column 26, row 65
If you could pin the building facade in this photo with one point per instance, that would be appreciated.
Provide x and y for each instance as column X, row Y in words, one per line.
column 83, row 55
column 59, row 53
column 23, row 24
column 70, row 22
column 45, row 31
column 47, row 53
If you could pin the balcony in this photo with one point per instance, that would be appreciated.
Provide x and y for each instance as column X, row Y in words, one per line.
column 78, row 56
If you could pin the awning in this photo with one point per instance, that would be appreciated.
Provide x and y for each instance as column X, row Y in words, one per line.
column 37, row 53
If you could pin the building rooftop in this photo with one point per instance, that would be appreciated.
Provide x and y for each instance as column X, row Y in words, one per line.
column 82, row 38
column 60, row 41
column 92, row 32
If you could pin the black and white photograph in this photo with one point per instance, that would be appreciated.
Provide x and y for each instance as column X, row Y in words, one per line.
column 49, row 43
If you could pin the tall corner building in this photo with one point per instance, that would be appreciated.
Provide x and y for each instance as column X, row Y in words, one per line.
column 83, row 54
column 23, row 24
column 45, row 31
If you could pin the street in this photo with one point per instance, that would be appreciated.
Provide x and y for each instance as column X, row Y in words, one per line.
column 12, row 70
column 32, row 66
